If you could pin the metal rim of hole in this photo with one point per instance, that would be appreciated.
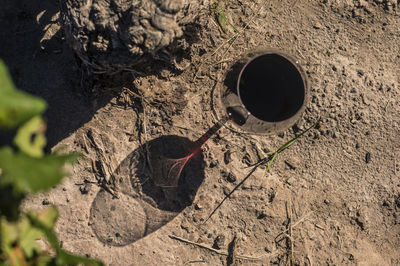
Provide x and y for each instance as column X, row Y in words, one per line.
column 259, row 126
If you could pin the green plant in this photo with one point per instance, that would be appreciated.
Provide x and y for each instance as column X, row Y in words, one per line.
column 221, row 18
column 26, row 169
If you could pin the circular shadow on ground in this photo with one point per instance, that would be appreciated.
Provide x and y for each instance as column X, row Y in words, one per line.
column 142, row 206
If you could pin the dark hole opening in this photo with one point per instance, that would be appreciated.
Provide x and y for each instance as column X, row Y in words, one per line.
column 271, row 88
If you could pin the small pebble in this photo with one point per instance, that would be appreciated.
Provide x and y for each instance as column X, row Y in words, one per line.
column 317, row 25
column 84, row 189
column 290, row 181
column 226, row 191
column 227, row 157
column 261, row 215
column 45, row 202
column 295, row 128
column 291, row 166
column 367, row 157
column 219, row 242
column 231, row 178
column 212, row 164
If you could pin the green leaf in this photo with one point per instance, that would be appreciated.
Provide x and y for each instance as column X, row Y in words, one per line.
column 24, row 235
column 16, row 107
column 9, row 203
column 49, row 216
column 63, row 257
column 30, row 137
column 29, row 234
column 27, row 237
column 28, row 174
column 9, row 235
column 43, row 260
column 17, row 257
column 290, row 142
column 271, row 161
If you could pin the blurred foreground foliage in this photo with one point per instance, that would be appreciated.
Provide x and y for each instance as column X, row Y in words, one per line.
column 26, row 169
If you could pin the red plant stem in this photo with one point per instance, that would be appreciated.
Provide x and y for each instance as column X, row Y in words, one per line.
column 206, row 136
column 179, row 164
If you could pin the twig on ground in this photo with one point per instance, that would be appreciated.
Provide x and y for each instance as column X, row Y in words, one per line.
column 146, row 145
column 233, row 190
column 291, row 235
column 194, row 261
column 101, row 183
column 319, row 227
column 110, row 190
column 269, row 159
column 134, row 94
column 220, row 252
column 103, row 180
column 295, row 224
column 288, row 233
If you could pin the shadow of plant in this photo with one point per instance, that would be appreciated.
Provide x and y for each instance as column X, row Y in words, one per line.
column 142, row 206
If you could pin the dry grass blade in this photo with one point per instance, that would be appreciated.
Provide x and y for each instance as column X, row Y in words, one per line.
column 294, row 3
column 220, row 252
column 230, row 41
column 287, row 234
column 194, row 261
column 295, row 224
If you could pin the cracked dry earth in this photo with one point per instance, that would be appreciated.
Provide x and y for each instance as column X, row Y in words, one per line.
column 331, row 198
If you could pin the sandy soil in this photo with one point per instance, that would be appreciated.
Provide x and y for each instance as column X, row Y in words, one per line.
column 325, row 201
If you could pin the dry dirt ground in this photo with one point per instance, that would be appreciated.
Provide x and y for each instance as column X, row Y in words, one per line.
column 331, row 198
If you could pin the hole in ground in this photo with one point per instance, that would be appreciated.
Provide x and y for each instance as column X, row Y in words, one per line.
column 271, row 88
